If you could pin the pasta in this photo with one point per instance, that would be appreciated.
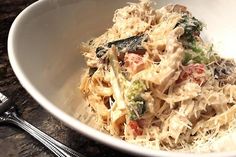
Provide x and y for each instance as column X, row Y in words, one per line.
column 153, row 81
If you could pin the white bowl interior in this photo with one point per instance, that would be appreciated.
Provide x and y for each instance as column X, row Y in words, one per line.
column 46, row 41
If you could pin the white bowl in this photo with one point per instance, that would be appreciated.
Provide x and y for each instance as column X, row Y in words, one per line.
column 43, row 50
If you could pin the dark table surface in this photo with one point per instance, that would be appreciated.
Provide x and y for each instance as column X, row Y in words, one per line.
column 13, row 141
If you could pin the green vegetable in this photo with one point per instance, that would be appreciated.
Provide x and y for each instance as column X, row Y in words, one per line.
column 137, row 107
column 136, row 104
column 195, row 47
column 198, row 53
column 187, row 58
column 192, row 28
column 195, row 50
column 136, row 88
column 200, row 59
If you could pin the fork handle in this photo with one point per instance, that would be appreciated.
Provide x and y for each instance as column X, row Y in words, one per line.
column 56, row 147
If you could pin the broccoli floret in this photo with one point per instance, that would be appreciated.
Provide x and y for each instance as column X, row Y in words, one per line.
column 137, row 107
column 187, row 58
column 136, row 88
column 198, row 53
column 136, row 103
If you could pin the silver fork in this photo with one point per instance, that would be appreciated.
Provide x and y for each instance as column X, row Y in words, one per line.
column 8, row 114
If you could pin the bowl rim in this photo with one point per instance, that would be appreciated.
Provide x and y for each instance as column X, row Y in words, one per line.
column 71, row 121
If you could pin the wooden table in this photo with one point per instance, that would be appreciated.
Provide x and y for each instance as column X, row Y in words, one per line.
column 13, row 141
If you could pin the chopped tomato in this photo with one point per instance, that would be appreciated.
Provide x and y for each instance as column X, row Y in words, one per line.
column 134, row 63
column 193, row 72
column 141, row 123
column 137, row 131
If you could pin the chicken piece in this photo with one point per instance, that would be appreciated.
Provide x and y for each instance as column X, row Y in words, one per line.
column 170, row 62
column 134, row 63
column 175, row 125
column 186, row 91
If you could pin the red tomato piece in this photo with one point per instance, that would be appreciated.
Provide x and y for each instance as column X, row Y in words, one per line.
column 193, row 72
column 137, row 131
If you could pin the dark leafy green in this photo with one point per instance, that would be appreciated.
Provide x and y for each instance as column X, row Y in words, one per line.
column 92, row 70
column 131, row 44
column 192, row 28
column 195, row 50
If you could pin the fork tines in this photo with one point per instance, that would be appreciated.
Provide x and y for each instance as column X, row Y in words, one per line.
column 3, row 98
